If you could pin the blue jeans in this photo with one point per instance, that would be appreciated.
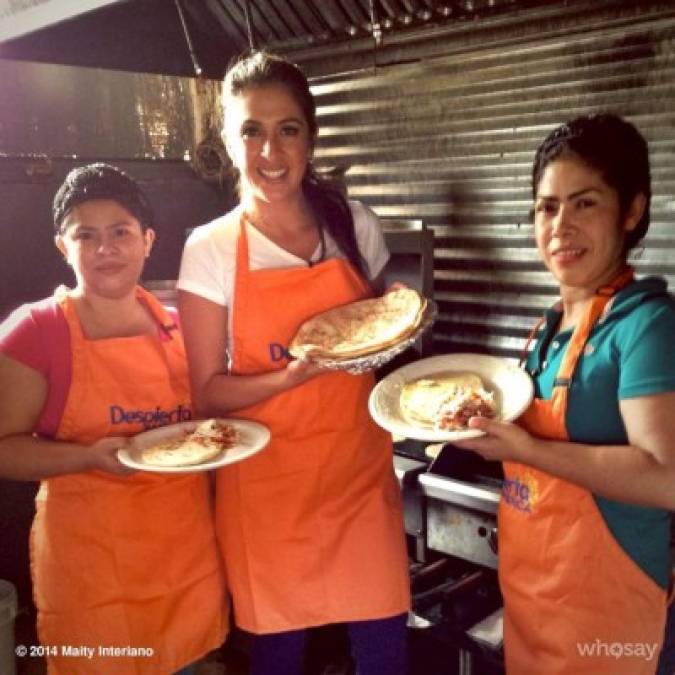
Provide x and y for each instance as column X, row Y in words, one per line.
column 667, row 658
column 379, row 647
column 188, row 670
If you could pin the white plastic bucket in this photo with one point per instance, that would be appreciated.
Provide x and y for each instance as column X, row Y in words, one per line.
column 8, row 608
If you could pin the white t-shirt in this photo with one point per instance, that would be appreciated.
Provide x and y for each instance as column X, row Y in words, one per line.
column 209, row 258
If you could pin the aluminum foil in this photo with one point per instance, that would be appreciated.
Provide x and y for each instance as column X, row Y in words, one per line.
column 362, row 364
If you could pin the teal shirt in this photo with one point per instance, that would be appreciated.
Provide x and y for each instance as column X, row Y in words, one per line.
column 630, row 353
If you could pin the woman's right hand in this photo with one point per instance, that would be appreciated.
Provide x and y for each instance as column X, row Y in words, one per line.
column 300, row 371
column 104, row 455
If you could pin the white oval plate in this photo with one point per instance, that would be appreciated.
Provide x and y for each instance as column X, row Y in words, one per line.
column 253, row 437
column 512, row 386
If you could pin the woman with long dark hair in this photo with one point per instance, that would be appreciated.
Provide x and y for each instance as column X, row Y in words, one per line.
column 311, row 528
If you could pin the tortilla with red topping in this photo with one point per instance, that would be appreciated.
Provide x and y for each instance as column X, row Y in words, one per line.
column 446, row 401
column 208, row 440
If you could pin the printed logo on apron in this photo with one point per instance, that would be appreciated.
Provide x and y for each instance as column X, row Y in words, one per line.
column 278, row 352
column 150, row 419
column 521, row 493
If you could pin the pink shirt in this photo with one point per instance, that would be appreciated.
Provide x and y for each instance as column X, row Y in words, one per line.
column 37, row 336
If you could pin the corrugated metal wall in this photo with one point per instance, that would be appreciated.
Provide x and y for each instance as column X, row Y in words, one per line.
column 450, row 137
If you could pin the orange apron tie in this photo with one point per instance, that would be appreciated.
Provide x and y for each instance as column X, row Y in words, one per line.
column 126, row 561
column 568, row 586
column 311, row 528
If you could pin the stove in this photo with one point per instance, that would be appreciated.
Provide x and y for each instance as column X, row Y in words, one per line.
column 463, row 492
column 450, row 505
column 408, row 471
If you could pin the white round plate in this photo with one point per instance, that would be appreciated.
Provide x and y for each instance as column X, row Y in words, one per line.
column 253, row 437
column 512, row 386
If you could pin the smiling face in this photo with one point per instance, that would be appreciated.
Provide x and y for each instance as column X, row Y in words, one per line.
column 269, row 142
column 106, row 247
column 579, row 227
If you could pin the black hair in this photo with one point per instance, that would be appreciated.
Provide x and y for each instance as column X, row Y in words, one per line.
column 100, row 181
column 260, row 69
column 613, row 147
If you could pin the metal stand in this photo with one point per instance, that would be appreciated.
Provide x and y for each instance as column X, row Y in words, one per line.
column 465, row 663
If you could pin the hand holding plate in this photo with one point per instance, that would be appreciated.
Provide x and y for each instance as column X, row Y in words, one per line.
column 503, row 441
column 302, row 370
column 104, row 455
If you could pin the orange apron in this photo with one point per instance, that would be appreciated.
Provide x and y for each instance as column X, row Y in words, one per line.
column 126, row 562
column 575, row 603
column 311, row 529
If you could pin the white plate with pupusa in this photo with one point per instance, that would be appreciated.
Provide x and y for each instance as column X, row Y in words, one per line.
column 504, row 384
column 196, row 445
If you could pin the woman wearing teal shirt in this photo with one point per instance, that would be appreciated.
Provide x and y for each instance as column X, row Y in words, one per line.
column 590, row 467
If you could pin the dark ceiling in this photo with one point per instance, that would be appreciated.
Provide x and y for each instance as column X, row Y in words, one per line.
column 137, row 35
column 151, row 35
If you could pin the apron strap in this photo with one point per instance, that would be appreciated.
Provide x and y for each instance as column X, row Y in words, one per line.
column 526, row 349
column 583, row 329
column 624, row 278
column 164, row 320
column 241, row 284
column 533, row 334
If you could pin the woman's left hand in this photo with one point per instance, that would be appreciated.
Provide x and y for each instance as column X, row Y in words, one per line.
column 504, row 441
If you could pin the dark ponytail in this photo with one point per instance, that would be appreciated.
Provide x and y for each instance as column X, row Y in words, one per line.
column 334, row 216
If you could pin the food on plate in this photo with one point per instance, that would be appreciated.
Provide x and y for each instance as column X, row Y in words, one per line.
column 446, row 401
column 360, row 328
column 205, row 442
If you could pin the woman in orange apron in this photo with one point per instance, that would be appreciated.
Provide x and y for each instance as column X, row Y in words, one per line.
column 310, row 529
column 589, row 473
column 127, row 575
